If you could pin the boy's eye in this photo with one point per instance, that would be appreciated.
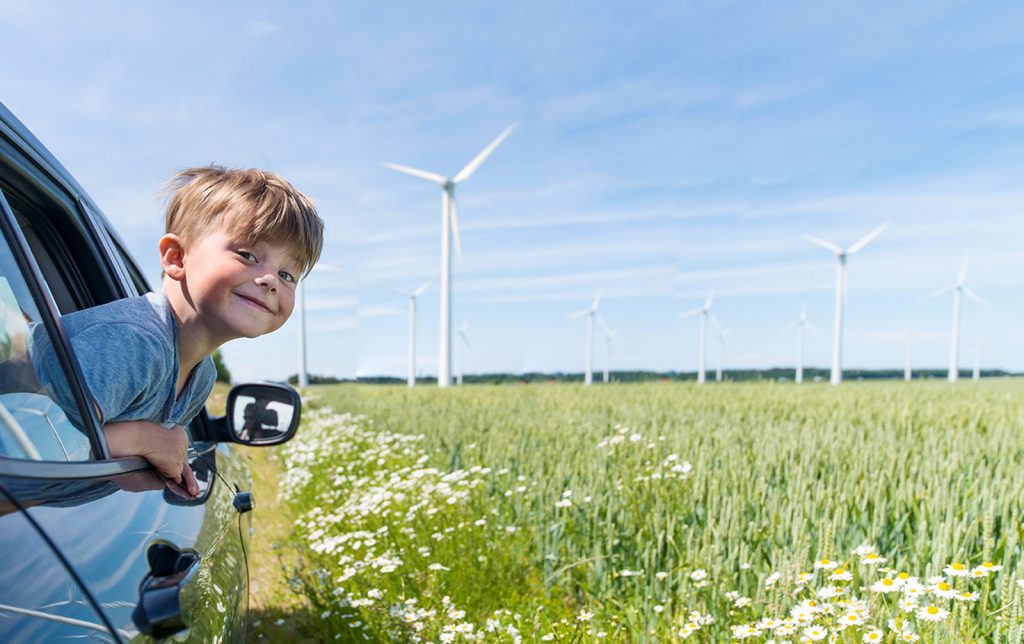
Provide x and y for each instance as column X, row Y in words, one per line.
column 246, row 255
column 286, row 276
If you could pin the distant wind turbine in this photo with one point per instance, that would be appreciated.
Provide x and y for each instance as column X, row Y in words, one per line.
column 837, row 330
column 801, row 325
column 976, row 376
column 303, row 375
column 462, row 350
column 413, row 295
column 957, row 289
column 590, row 312
column 908, row 342
column 608, row 335
column 703, row 312
column 449, row 230
column 722, row 333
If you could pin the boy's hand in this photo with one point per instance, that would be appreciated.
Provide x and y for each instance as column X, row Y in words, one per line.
column 165, row 449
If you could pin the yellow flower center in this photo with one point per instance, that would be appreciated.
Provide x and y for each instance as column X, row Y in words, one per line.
column 943, row 586
column 824, row 562
column 903, row 575
column 988, row 564
column 887, row 582
column 812, row 604
column 958, row 566
column 839, row 571
column 871, row 556
column 932, row 610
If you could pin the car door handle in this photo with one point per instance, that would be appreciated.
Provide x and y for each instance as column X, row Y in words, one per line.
column 158, row 613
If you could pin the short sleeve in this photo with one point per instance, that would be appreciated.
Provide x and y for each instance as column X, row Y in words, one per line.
column 121, row 363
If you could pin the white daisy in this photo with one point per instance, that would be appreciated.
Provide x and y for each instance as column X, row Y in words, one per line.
column 932, row 613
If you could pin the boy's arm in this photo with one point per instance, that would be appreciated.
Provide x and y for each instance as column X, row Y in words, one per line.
column 165, row 449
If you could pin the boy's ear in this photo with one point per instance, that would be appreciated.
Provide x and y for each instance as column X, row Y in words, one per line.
column 172, row 256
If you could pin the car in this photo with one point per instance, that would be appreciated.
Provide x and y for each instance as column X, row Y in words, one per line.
column 91, row 546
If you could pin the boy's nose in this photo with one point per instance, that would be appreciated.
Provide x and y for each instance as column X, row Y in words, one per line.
column 268, row 280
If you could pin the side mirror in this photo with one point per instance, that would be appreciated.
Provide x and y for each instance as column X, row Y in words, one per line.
column 263, row 414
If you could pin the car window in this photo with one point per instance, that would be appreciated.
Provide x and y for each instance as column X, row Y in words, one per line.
column 32, row 425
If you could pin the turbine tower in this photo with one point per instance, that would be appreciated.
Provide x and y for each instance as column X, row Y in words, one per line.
column 411, row 373
column 590, row 312
column 722, row 333
column 837, row 329
column 801, row 325
column 303, row 375
column 908, row 341
column 703, row 312
column 608, row 335
column 976, row 376
column 462, row 350
column 449, row 231
column 957, row 289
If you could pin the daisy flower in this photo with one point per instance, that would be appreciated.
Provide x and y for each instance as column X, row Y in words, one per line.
column 815, row 633
column 874, row 635
column 841, row 574
column 943, row 590
column 908, row 604
column 851, row 619
column 988, row 567
column 932, row 613
column 967, row 597
column 956, row 569
column 887, row 585
column 825, row 564
column 863, row 550
column 872, row 558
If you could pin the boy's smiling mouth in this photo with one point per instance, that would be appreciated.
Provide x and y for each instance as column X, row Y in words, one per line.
column 255, row 303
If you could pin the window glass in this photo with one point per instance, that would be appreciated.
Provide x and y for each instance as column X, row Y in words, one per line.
column 33, row 423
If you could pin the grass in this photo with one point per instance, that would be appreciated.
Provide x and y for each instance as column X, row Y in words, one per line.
column 568, row 512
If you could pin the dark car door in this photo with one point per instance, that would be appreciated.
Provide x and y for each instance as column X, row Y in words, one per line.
column 151, row 562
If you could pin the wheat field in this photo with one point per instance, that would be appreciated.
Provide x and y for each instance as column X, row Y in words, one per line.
column 661, row 512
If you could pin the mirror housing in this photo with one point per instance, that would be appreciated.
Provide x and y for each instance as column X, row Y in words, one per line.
column 262, row 413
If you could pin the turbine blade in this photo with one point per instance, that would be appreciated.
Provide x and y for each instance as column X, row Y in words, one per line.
column 792, row 325
column 963, row 272
column 977, row 298
column 465, row 340
column 936, row 293
column 690, row 314
column 812, row 327
column 710, row 299
column 432, row 177
column 464, row 327
column 867, row 239
column 604, row 325
column 477, row 161
column 827, row 245
column 422, row 287
column 453, row 212
column 714, row 320
column 401, row 292
column 597, row 300
column 578, row 314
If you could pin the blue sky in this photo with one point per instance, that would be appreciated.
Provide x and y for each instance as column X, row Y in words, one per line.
column 661, row 150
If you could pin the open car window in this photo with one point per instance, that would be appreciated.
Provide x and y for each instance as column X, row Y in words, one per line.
column 35, row 424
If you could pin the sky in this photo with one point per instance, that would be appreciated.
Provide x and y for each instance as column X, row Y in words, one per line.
column 662, row 150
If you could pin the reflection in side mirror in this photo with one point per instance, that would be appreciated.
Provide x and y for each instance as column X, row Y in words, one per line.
column 263, row 414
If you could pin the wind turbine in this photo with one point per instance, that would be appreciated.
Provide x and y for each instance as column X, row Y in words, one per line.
column 703, row 312
column 449, row 230
column 801, row 325
column 462, row 350
column 722, row 333
column 976, row 376
column 303, row 375
column 957, row 289
column 608, row 335
column 908, row 341
column 413, row 295
column 837, row 330
column 590, row 312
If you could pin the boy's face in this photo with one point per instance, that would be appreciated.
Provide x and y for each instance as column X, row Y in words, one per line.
column 239, row 288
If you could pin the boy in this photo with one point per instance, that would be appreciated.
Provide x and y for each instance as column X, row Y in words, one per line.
column 237, row 242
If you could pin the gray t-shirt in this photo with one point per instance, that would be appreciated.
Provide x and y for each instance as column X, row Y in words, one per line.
column 128, row 352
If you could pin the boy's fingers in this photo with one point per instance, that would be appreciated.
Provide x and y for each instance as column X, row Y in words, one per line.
column 188, row 481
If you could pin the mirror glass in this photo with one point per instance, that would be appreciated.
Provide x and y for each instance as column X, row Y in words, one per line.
column 261, row 414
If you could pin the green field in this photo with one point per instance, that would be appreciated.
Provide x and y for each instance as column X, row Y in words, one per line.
column 661, row 512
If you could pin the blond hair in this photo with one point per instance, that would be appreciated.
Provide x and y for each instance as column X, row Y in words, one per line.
column 256, row 205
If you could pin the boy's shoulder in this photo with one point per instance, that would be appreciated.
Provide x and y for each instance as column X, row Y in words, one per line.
column 133, row 323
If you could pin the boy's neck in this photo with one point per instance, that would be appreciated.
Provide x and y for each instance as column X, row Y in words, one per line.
column 195, row 342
